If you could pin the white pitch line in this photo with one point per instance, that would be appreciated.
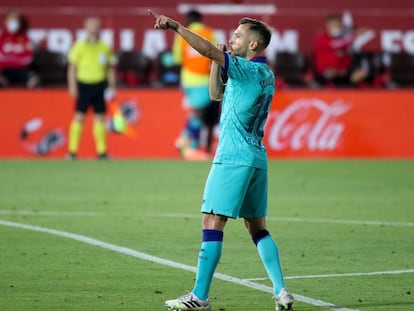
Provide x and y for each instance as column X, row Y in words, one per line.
column 183, row 215
column 47, row 213
column 343, row 221
column 335, row 275
column 165, row 262
column 300, row 219
column 351, row 274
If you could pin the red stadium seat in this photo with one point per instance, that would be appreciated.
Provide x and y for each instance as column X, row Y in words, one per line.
column 291, row 67
column 402, row 69
column 134, row 68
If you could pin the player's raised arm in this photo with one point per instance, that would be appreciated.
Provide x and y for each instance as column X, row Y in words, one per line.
column 216, row 85
column 201, row 45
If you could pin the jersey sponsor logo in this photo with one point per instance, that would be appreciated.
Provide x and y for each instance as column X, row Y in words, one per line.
column 16, row 48
column 254, row 141
column 267, row 82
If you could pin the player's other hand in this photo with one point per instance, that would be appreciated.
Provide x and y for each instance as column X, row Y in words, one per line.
column 163, row 22
column 222, row 47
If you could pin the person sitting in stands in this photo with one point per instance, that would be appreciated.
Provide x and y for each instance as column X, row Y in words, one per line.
column 16, row 53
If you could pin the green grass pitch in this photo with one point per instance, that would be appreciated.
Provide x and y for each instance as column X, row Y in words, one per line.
column 328, row 217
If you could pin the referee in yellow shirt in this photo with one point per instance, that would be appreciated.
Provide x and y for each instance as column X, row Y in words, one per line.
column 91, row 72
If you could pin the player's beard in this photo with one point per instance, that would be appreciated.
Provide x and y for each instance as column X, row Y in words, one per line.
column 238, row 53
column 241, row 51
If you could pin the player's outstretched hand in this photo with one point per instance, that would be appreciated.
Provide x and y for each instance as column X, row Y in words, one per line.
column 163, row 22
column 222, row 47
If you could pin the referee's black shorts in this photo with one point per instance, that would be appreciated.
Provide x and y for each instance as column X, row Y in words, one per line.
column 91, row 95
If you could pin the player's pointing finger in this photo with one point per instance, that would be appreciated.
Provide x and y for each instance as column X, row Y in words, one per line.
column 153, row 14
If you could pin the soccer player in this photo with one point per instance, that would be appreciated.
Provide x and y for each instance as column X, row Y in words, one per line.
column 91, row 70
column 237, row 183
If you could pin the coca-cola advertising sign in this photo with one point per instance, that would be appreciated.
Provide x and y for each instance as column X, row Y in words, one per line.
column 339, row 124
column 310, row 124
column 301, row 124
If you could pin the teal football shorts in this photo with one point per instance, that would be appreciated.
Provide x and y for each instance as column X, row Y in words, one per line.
column 236, row 191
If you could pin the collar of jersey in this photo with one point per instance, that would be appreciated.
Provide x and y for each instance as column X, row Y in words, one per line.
column 259, row 59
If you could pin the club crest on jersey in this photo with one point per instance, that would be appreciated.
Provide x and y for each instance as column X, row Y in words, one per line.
column 235, row 60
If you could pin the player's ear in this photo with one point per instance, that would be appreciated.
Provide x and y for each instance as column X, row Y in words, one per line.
column 254, row 45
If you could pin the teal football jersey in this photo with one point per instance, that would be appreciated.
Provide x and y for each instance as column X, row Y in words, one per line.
column 246, row 104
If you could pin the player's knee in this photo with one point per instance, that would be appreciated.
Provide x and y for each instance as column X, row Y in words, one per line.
column 260, row 235
column 79, row 117
column 214, row 222
column 99, row 117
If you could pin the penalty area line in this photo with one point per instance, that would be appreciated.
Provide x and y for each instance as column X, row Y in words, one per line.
column 164, row 262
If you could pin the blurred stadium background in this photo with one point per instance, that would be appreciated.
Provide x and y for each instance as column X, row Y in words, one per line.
column 370, row 119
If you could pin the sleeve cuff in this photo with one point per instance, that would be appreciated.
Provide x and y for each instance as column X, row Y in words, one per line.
column 225, row 69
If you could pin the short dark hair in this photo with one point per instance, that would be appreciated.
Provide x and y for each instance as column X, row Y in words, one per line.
column 260, row 28
column 194, row 16
column 333, row 17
